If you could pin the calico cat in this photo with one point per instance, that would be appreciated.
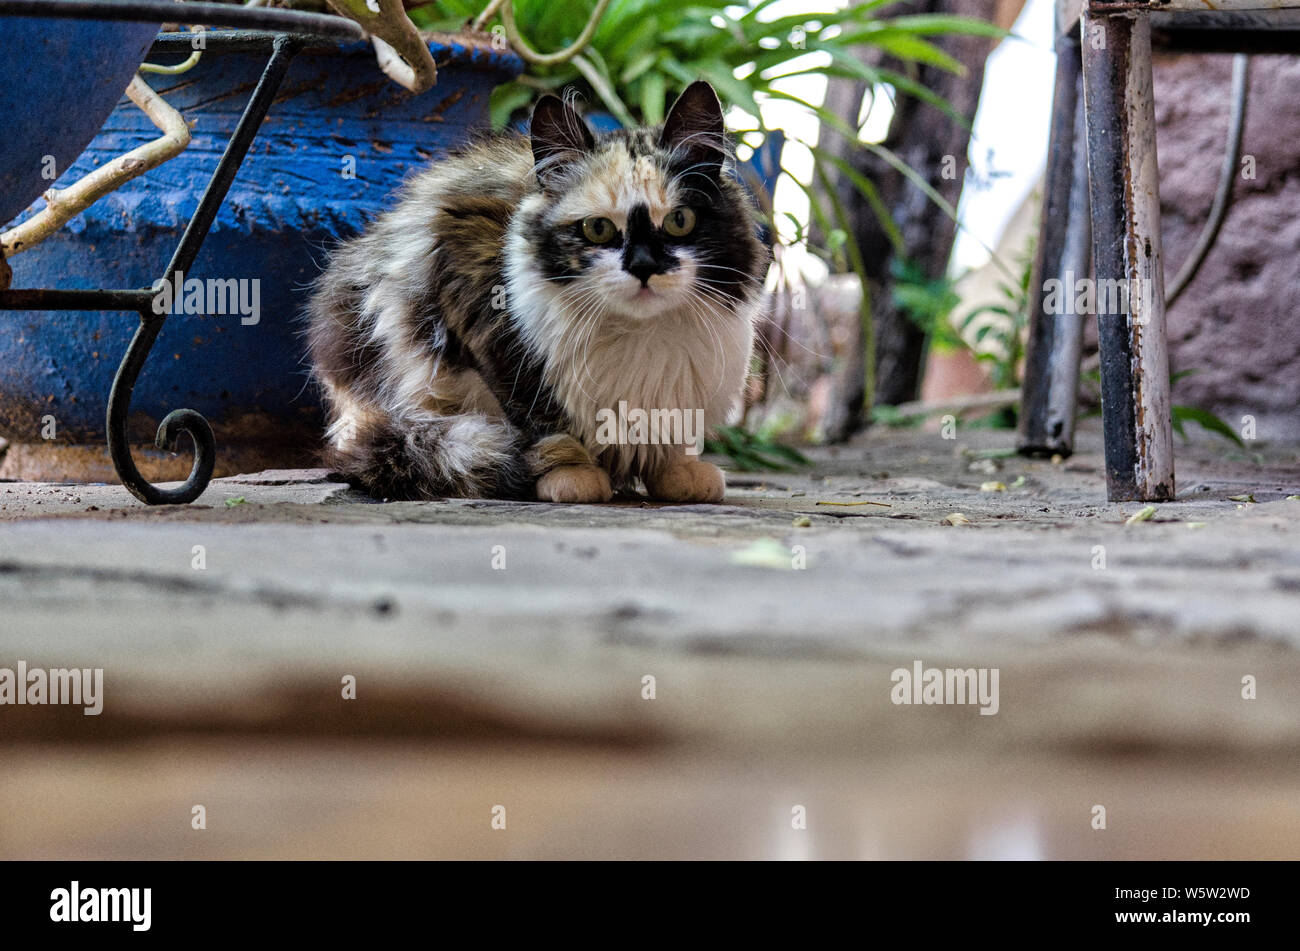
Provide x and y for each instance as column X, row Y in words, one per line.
column 468, row 343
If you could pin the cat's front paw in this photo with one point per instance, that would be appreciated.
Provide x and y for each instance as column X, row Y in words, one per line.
column 579, row 483
column 690, row 480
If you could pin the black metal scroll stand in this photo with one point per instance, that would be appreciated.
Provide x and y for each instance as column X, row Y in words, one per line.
column 284, row 33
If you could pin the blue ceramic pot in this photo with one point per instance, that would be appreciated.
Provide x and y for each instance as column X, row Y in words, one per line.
column 339, row 139
column 62, row 79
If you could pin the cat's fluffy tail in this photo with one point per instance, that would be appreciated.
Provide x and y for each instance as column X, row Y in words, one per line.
column 468, row 456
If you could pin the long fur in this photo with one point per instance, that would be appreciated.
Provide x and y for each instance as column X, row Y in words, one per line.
column 473, row 324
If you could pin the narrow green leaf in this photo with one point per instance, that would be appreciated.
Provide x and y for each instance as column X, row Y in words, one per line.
column 1207, row 420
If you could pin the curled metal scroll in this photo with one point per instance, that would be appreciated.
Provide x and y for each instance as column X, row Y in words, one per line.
column 176, row 422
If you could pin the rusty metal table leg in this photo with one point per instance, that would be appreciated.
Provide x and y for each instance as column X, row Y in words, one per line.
column 1064, row 257
column 1129, row 295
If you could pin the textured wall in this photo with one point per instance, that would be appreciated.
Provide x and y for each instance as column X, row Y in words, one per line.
column 1239, row 322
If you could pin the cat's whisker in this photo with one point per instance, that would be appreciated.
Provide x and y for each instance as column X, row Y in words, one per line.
column 589, row 308
column 798, row 343
column 704, row 314
column 723, row 267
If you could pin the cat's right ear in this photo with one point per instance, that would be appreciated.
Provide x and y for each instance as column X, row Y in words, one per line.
column 560, row 137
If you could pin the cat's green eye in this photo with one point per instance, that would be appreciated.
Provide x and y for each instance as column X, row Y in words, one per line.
column 680, row 222
column 598, row 230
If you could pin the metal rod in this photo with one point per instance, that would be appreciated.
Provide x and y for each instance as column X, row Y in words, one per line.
column 55, row 299
column 1226, row 40
column 1227, row 178
column 1045, row 428
column 1075, row 265
column 151, row 321
column 1097, row 8
column 259, row 103
column 234, row 41
column 209, row 14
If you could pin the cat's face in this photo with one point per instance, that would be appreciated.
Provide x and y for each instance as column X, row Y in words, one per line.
column 642, row 222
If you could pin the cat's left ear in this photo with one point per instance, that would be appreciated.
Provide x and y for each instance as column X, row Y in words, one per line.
column 560, row 137
column 694, row 126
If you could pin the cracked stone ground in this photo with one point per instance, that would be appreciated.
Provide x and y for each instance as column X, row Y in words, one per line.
column 1121, row 652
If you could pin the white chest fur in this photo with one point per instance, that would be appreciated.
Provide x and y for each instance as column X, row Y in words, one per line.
column 693, row 359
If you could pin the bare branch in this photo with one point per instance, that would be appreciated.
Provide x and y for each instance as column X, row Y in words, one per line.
column 402, row 54
column 488, row 13
column 63, row 205
column 549, row 59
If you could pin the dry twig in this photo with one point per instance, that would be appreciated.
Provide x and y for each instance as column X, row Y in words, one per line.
column 61, row 205
column 402, row 54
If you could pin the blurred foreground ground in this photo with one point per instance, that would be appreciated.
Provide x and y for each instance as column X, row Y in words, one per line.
column 481, row 686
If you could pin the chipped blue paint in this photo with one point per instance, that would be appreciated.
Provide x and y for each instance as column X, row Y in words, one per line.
column 340, row 138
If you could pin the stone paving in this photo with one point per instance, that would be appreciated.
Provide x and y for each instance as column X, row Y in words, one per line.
column 503, row 648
